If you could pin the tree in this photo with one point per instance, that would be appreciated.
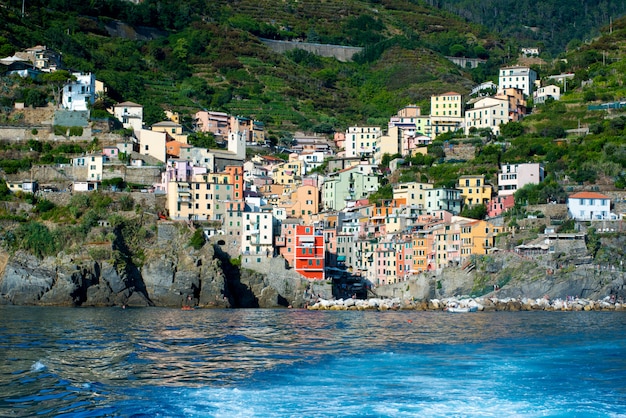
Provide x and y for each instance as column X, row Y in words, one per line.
column 511, row 129
column 202, row 140
column 57, row 80
column 474, row 212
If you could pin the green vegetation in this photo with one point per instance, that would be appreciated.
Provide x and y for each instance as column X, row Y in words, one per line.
column 554, row 26
column 197, row 239
column 207, row 55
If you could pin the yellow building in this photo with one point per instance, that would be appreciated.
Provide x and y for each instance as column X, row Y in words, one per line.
column 208, row 196
column 288, row 174
column 446, row 113
column 413, row 193
column 474, row 191
column 477, row 237
column 422, row 241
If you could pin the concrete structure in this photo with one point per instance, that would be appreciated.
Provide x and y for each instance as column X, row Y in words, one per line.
column 465, row 62
column 209, row 196
column 302, row 203
column 42, row 58
column 500, row 204
column 257, row 237
column 309, row 252
column 311, row 160
column 517, row 102
column 152, row 143
column 413, row 193
column 485, row 89
column 340, row 52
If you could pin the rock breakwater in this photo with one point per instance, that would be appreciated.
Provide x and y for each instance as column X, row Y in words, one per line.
column 484, row 304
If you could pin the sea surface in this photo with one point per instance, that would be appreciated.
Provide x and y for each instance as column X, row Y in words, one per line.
column 83, row 362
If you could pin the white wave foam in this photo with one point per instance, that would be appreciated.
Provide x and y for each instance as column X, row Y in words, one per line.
column 37, row 366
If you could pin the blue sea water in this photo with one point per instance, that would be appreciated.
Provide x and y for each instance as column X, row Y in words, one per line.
column 82, row 362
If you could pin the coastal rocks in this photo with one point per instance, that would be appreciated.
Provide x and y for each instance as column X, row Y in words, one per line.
column 472, row 304
column 23, row 284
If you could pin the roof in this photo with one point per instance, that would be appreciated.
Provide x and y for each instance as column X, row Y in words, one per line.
column 450, row 93
column 128, row 104
column 167, row 123
column 588, row 195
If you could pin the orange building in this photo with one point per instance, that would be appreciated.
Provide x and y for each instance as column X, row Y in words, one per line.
column 309, row 252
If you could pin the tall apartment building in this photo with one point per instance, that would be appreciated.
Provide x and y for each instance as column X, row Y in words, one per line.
column 361, row 141
column 522, row 78
column 446, row 113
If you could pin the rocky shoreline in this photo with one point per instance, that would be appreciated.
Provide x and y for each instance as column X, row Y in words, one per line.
column 483, row 304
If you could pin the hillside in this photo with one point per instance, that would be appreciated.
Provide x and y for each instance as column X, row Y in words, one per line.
column 553, row 25
column 208, row 55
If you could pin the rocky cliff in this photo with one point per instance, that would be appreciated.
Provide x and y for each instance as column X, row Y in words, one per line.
column 172, row 275
column 507, row 275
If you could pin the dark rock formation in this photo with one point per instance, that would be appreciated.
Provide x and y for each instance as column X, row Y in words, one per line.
column 172, row 275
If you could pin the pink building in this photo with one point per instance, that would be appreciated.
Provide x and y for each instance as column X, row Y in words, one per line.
column 111, row 152
column 499, row 204
column 214, row 122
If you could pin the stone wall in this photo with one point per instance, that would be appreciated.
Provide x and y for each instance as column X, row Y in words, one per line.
column 341, row 53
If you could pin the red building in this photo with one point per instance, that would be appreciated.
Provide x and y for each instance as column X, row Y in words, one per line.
column 309, row 252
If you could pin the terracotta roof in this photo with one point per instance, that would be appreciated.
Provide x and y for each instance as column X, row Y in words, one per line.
column 588, row 195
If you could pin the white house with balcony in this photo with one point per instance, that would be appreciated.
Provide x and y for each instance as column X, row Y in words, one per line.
column 589, row 206
column 513, row 177
column 78, row 94
column 257, row 235
column 130, row 114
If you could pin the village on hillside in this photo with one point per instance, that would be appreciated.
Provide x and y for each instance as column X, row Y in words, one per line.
column 313, row 209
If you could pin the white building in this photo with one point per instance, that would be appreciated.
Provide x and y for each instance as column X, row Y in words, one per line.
column 257, row 234
column 513, row 177
column 130, row 114
column 311, row 160
column 78, row 94
column 530, row 50
column 544, row 93
column 94, row 167
column 488, row 112
column 522, row 78
column 361, row 141
column 588, row 206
